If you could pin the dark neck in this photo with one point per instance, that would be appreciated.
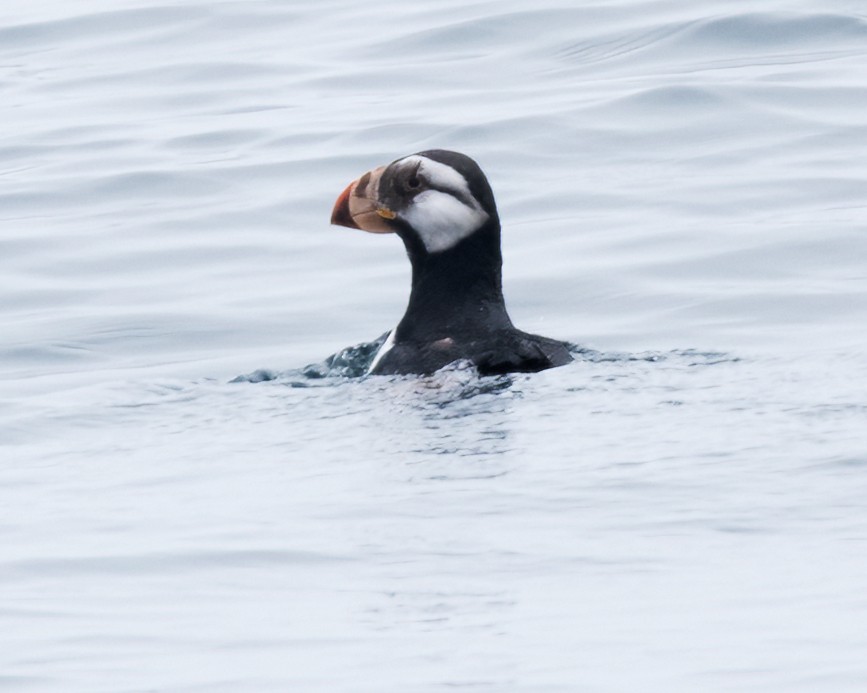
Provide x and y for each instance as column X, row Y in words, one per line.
column 458, row 292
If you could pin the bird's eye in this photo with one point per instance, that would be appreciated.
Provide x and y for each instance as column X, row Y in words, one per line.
column 413, row 182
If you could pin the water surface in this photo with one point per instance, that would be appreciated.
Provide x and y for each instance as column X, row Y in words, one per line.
column 682, row 190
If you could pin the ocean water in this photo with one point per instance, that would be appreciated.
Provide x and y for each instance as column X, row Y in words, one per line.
column 683, row 190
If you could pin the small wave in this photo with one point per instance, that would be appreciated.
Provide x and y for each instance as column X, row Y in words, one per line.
column 772, row 31
column 615, row 45
column 98, row 25
column 712, row 41
column 692, row 357
column 165, row 562
column 351, row 362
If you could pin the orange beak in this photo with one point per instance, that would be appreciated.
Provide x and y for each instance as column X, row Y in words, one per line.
column 358, row 207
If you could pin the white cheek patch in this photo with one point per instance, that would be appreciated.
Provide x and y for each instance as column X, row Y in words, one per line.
column 446, row 214
column 442, row 220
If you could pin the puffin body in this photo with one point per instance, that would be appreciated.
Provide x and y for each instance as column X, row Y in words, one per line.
column 441, row 206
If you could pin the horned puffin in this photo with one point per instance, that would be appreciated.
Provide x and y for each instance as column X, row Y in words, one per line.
column 441, row 206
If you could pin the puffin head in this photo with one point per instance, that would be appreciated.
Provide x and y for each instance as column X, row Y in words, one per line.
column 433, row 199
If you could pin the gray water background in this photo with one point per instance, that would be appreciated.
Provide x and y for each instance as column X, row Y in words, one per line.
column 683, row 189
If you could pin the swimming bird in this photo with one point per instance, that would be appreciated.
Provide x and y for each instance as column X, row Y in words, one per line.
column 441, row 206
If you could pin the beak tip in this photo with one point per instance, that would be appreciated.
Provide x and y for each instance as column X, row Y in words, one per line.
column 357, row 206
column 340, row 215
